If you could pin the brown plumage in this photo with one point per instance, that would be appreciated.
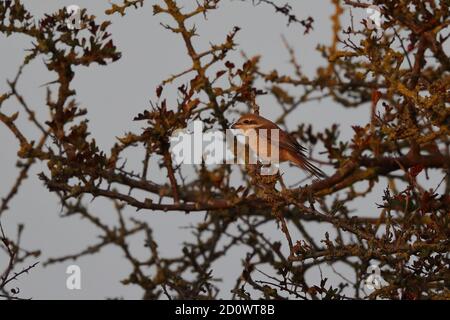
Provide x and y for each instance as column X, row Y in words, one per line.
column 289, row 148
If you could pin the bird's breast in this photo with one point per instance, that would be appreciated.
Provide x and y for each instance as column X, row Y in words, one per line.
column 264, row 148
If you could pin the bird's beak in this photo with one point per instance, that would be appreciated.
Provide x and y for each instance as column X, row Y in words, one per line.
column 234, row 126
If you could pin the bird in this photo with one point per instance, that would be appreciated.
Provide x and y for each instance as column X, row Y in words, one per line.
column 289, row 149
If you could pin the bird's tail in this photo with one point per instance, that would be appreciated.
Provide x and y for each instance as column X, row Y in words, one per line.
column 308, row 166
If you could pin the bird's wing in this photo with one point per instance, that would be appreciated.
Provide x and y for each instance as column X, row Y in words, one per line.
column 287, row 142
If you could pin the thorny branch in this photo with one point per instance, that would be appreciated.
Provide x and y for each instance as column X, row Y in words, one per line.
column 401, row 70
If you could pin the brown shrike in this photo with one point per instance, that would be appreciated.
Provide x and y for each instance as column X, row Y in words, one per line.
column 288, row 148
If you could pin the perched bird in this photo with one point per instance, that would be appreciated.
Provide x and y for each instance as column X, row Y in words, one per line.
column 289, row 149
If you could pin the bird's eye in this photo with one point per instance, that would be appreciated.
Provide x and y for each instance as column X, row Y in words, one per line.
column 246, row 121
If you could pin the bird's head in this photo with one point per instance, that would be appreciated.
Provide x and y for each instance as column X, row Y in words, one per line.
column 250, row 121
